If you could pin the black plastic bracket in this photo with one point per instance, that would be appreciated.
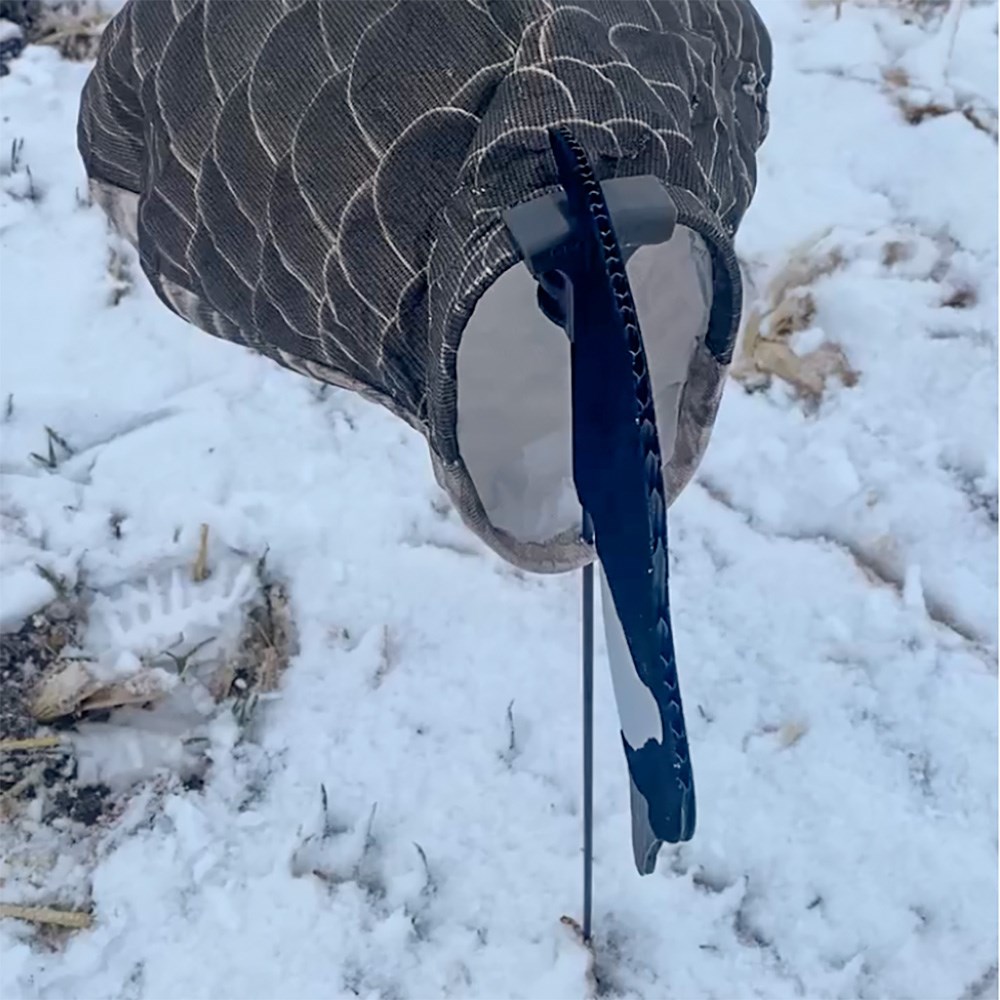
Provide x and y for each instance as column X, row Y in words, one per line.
column 543, row 229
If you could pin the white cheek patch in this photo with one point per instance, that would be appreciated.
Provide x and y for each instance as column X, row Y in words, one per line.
column 637, row 709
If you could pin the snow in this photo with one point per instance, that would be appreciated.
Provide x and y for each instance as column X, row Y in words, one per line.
column 9, row 31
column 834, row 587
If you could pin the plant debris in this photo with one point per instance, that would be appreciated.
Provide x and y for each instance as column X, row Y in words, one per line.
column 25, row 656
column 74, row 27
column 264, row 650
column 788, row 307
column 76, row 920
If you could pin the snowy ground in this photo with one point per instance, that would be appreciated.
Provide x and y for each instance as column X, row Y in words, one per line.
column 834, row 583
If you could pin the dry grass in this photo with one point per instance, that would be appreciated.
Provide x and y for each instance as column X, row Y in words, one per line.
column 786, row 308
column 914, row 102
column 30, row 743
column 74, row 27
column 916, row 111
column 72, row 691
column 961, row 297
column 267, row 644
column 910, row 10
column 47, row 812
column 896, row 252
column 388, row 656
column 20, row 183
column 46, row 683
column 199, row 571
column 917, row 106
column 74, row 920
column 30, row 756
column 121, row 280
column 57, row 450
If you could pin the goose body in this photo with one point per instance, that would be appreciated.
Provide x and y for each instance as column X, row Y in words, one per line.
column 326, row 183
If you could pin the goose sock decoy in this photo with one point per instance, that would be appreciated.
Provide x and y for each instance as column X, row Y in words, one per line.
column 409, row 199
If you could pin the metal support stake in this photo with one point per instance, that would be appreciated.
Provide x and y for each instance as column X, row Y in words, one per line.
column 588, row 733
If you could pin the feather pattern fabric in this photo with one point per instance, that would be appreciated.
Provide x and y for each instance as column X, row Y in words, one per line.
column 324, row 182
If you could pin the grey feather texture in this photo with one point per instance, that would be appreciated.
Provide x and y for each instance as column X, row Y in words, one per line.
column 324, row 182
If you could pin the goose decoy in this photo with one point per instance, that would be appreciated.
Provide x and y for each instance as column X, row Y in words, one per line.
column 410, row 199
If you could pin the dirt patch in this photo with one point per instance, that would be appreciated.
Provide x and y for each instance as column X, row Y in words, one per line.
column 31, row 754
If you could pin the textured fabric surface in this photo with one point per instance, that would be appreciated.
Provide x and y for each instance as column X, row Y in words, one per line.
column 323, row 182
